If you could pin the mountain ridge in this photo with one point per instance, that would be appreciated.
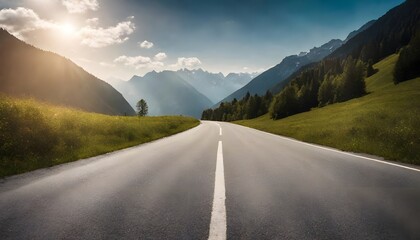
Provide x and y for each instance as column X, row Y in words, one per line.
column 290, row 64
column 214, row 85
column 165, row 93
column 340, row 77
column 263, row 82
column 27, row 71
column 375, row 42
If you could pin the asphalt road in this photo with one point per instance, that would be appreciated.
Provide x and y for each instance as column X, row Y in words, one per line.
column 274, row 188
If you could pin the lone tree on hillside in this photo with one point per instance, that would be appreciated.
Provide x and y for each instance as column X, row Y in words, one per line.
column 142, row 108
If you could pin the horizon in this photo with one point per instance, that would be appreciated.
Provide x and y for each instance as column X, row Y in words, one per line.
column 137, row 37
column 186, row 69
column 139, row 119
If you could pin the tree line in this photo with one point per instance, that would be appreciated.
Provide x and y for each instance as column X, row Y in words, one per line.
column 341, row 76
column 330, row 81
column 337, row 78
column 250, row 106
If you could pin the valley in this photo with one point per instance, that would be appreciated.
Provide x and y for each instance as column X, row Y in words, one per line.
column 210, row 119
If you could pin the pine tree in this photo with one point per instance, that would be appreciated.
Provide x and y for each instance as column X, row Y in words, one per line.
column 142, row 108
column 284, row 104
column 369, row 69
column 408, row 64
column 326, row 91
column 351, row 83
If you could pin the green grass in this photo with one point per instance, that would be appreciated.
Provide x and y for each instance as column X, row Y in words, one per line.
column 385, row 122
column 37, row 135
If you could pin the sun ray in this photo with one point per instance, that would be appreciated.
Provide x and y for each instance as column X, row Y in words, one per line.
column 67, row 29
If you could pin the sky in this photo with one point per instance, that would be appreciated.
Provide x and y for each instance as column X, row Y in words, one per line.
column 119, row 39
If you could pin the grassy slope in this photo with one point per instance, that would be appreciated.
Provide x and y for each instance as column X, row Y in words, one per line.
column 36, row 135
column 386, row 122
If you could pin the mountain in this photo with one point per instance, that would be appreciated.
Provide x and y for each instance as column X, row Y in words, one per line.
column 361, row 29
column 341, row 76
column 277, row 74
column 215, row 86
column 281, row 84
column 165, row 93
column 281, row 71
column 385, row 36
column 26, row 71
column 375, row 40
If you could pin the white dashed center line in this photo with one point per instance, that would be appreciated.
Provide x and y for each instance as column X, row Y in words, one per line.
column 218, row 214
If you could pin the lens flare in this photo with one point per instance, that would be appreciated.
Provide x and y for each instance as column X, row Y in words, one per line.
column 67, row 29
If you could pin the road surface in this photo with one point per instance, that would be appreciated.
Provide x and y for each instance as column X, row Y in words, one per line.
column 264, row 187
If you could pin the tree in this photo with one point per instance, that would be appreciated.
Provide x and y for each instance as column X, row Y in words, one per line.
column 408, row 64
column 284, row 104
column 370, row 70
column 142, row 108
column 268, row 97
column 247, row 96
column 234, row 101
column 326, row 91
column 351, row 83
column 251, row 107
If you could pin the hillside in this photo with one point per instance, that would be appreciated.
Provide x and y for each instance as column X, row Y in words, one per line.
column 275, row 78
column 385, row 122
column 338, row 77
column 26, row 71
column 263, row 82
column 58, row 135
column 165, row 93
column 276, row 88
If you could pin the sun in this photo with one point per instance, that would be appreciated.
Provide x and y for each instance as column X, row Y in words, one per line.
column 67, row 29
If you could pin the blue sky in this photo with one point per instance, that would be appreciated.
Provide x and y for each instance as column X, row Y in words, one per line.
column 105, row 36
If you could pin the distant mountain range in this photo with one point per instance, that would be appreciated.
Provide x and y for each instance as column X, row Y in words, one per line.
column 215, row 86
column 182, row 92
column 275, row 75
column 166, row 93
column 26, row 71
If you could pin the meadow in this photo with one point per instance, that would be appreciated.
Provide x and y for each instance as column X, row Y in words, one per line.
column 385, row 122
column 37, row 135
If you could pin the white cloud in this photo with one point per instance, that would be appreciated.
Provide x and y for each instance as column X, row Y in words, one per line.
column 98, row 37
column 160, row 56
column 155, row 64
column 80, row 6
column 132, row 61
column 92, row 21
column 190, row 62
column 146, row 44
column 23, row 20
column 138, row 62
